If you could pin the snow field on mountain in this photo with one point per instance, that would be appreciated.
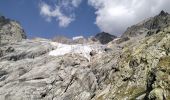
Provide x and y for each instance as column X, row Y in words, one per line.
column 82, row 49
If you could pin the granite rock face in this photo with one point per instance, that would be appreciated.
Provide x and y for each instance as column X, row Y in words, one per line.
column 136, row 68
column 10, row 31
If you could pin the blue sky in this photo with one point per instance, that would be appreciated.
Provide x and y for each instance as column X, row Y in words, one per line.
column 49, row 18
column 27, row 12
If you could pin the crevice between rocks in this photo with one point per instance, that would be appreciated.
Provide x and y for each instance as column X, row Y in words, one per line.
column 150, row 81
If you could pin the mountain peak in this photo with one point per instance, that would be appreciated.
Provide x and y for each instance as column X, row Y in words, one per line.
column 153, row 24
column 163, row 13
column 104, row 37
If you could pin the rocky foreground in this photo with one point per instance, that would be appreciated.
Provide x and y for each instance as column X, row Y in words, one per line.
column 135, row 66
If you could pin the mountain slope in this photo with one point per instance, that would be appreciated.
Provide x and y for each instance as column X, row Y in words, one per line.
column 135, row 69
column 149, row 26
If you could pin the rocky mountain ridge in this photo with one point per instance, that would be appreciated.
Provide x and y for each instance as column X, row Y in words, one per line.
column 150, row 26
column 132, row 67
column 99, row 38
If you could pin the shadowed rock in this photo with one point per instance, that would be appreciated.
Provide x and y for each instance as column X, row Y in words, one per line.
column 104, row 38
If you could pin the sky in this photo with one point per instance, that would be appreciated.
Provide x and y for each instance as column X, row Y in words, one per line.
column 49, row 18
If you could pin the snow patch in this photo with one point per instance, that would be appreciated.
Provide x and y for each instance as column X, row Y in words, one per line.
column 77, row 37
column 83, row 50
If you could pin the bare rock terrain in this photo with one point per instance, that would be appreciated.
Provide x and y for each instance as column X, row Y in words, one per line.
column 135, row 66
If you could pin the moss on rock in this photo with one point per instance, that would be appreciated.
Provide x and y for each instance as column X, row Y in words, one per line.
column 164, row 63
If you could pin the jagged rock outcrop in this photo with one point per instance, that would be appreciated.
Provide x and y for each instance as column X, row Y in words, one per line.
column 10, row 31
column 132, row 69
column 104, row 37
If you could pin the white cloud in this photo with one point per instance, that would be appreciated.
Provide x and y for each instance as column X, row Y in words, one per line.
column 114, row 16
column 62, row 11
column 76, row 3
